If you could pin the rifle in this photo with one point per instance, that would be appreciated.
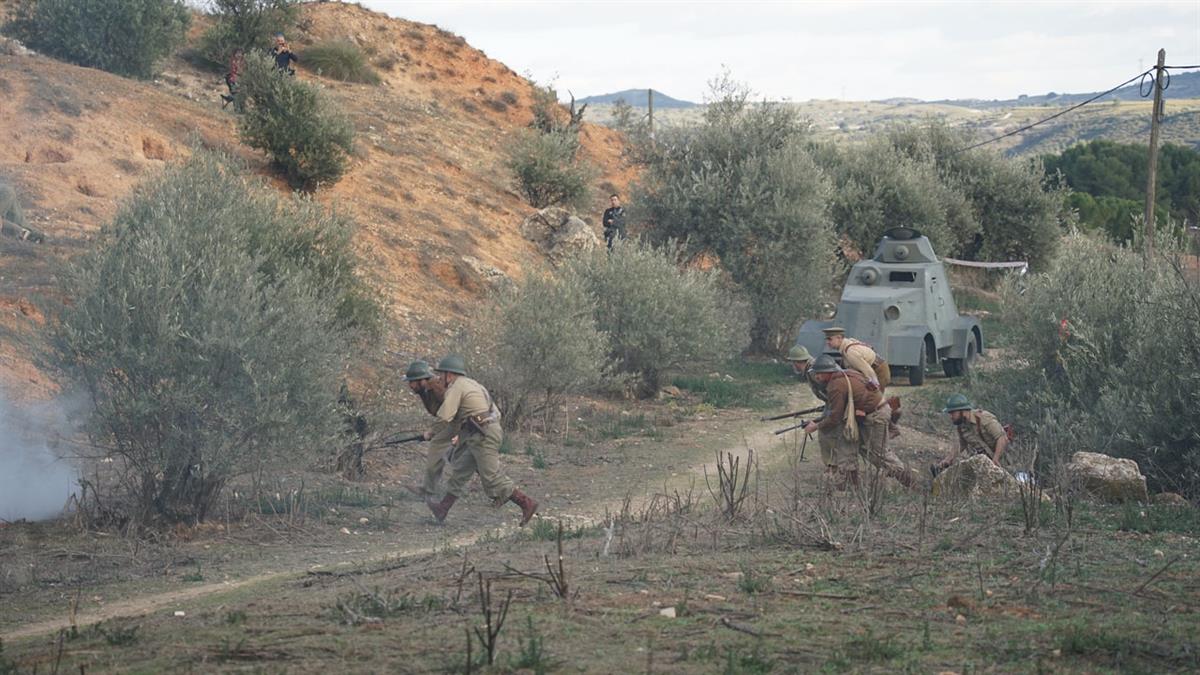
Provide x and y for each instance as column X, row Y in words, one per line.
column 801, row 425
column 798, row 413
column 395, row 439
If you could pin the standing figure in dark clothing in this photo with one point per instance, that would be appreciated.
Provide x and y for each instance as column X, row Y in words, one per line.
column 283, row 55
column 614, row 221
column 237, row 62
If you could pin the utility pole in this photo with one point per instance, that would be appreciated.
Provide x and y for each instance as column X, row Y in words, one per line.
column 650, row 108
column 1152, row 168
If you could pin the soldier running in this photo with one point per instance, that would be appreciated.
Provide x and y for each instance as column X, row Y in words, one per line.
column 432, row 392
column 857, row 423
column 470, row 414
column 979, row 432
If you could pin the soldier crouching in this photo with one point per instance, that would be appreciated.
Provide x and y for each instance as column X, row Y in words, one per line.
column 469, row 412
column 856, row 423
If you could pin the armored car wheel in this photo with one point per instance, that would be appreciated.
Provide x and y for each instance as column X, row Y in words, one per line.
column 916, row 374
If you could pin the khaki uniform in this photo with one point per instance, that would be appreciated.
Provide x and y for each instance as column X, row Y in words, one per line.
column 439, row 444
column 978, row 434
column 872, row 414
column 479, row 441
column 860, row 357
column 826, row 440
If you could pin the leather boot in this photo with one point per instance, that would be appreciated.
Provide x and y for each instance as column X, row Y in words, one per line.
column 527, row 504
column 440, row 509
column 851, row 477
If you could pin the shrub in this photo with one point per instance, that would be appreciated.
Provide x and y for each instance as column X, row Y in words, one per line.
column 305, row 136
column 744, row 186
column 536, row 344
column 1021, row 214
column 340, row 60
column 659, row 316
column 878, row 187
column 1093, row 331
column 127, row 37
column 205, row 330
column 246, row 25
column 547, row 168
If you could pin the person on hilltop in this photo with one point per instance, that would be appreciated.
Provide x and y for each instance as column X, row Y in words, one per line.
column 979, row 433
column 283, row 55
column 858, row 422
column 614, row 221
column 432, row 393
column 12, row 218
column 237, row 63
column 473, row 417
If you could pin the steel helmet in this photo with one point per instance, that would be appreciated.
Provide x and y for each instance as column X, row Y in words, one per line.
column 957, row 402
column 418, row 370
column 452, row 364
column 825, row 364
column 798, row 353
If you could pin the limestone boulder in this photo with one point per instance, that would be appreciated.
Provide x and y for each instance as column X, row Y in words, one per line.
column 559, row 234
column 977, row 477
column 1107, row 478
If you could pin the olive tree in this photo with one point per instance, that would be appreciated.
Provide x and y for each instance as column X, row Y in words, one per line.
column 535, row 344
column 743, row 185
column 658, row 314
column 208, row 329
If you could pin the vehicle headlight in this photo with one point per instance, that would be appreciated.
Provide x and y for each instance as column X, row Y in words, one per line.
column 828, row 310
column 891, row 313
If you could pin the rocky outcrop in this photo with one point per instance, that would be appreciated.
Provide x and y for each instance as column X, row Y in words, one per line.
column 559, row 234
column 974, row 478
column 1107, row 478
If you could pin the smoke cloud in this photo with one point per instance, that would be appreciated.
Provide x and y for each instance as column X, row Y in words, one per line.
column 35, row 482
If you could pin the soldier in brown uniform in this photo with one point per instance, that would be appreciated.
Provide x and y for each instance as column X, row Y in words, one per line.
column 470, row 414
column 860, row 357
column 858, row 420
column 421, row 382
column 979, row 432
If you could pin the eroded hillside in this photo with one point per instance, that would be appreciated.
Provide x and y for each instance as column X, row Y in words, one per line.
column 438, row 215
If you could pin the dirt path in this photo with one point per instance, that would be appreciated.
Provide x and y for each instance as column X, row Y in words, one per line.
column 701, row 457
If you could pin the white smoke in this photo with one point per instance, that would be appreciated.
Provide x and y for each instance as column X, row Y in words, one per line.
column 35, row 482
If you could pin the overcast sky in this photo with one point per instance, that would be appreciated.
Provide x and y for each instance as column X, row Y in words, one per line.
column 805, row 50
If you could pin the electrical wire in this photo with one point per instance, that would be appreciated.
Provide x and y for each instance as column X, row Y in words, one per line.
column 1058, row 114
column 1180, row 67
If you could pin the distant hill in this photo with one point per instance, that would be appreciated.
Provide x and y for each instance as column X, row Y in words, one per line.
column 637, row 99
column 1181, row 85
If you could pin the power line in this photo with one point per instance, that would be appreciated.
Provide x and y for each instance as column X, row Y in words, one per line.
column 1057, row 114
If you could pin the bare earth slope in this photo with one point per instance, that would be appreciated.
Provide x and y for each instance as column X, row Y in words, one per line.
column 437, row 210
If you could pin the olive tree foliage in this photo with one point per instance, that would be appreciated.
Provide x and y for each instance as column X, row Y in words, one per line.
column 548, row 169
column 245, row 24
column 126, row 37
column 878, row 187
column 973, row 204
column 658, row 314
column 545, row 159
column 1111, row 353
column 307, row 138
column 1021, row 213
column 743, row 185
column 205, row 329
column 535, row 344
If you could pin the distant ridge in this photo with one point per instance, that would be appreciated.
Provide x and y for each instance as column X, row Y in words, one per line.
column 637, row 99
column 1181, row 85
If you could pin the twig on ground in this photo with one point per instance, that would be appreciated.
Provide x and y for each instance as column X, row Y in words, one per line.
column 743, row 628
column 1162, row 569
